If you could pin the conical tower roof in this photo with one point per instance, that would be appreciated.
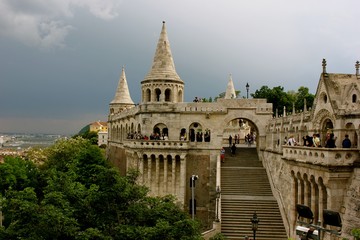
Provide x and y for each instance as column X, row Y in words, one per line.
column 230, row 90
column 163, row 67
column 122, row 94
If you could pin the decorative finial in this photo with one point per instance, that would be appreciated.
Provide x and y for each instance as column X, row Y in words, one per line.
column 324, row 65
column 357, row 65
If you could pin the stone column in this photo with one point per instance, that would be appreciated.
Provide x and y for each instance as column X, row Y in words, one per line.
column 141, row 169
column 157, row 175
column 314, row 200
column 307, row 191
column 321, row 203
column 182, row 183
column 149, row 172
column 173, row 176
column 166, row 175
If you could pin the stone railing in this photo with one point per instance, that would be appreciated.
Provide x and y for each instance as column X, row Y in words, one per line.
column 156, row 144
column 322, row 156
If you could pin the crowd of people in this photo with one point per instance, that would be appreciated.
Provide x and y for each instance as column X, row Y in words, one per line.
column 315, row 141
column 153, row 136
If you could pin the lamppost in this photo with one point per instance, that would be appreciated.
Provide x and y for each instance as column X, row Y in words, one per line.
column 247, row 90
column 218, row 194
column 192, row 185
column 254, row 222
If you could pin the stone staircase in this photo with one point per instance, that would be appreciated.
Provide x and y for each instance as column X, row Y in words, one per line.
column 245, row 189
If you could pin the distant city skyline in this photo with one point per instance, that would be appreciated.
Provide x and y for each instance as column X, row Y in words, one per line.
column 61, row 61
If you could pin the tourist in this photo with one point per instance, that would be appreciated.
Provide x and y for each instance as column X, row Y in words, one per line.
column 316, row 140
column 292, row 141
column 230, row 140
column 330, row 141
column 285, row 140
column 222, row 155
column 233, row 149
column 346, row 143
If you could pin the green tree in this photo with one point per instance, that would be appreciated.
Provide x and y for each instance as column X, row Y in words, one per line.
column 280, row 99
column 92, row 136
column 76, row 194
column 302, row 95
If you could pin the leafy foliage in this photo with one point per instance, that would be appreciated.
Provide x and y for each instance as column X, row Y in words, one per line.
column 280, row 99
column 76, row 194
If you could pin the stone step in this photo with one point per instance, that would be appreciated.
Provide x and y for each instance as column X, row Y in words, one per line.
column 245, row 189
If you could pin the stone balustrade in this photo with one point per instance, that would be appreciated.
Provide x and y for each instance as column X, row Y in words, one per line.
column 322, row 156
column 156, row 144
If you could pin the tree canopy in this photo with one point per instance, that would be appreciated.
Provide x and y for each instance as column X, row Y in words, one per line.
column 280, row 99
column 76, row 194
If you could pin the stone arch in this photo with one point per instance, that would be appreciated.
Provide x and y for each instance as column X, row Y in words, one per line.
column 138, row 129
column 245, row 130
column 179, row 96
column 195, row 132
column 351, row 131
column 183, row 134
column 157, row 94
column 321, row 117
column 161, row 129
column 147, row 95
column 168, row 93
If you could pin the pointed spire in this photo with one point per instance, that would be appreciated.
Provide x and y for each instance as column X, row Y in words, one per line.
column 163, row 67
column 357, row 65
column 230, row 90
column 122, row 94
column 305, row 107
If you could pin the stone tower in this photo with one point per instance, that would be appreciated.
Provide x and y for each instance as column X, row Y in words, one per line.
column 162, row 83
column 230, row 90
column 122, row 99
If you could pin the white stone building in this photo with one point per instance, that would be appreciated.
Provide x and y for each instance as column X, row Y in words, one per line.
column 192, row 134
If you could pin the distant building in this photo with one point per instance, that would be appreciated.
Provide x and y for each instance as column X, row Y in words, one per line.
column 102, row 138
column 98, row 127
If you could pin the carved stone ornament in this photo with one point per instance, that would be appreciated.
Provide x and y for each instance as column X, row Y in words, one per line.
column 320, row 116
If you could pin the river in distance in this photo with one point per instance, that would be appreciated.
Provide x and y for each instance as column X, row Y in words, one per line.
column 24, row 141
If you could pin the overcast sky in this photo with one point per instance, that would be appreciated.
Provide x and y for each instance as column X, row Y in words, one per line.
column 60, row 60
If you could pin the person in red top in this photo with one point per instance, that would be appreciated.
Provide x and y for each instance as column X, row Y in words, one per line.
column 222, row 155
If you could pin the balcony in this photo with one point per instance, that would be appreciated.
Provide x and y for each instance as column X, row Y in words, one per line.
column 322, row 156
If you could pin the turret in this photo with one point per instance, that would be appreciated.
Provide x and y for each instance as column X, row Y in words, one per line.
column 230, row 90
column 122, row 99
column 162, row 83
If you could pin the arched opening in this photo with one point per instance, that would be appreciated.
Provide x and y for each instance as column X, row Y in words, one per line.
column 167, row 95
column 207, row 135
column 326, row 130
column 148, row 95
column 195, row 132
column 354, row 98
column 157, row 95
column 183, row 134
column 350, row 130
column 160, row 131
column 240, row 131
column 179, row 96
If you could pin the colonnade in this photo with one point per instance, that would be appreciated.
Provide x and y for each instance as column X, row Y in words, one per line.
column 163, row 174
column 309, row 191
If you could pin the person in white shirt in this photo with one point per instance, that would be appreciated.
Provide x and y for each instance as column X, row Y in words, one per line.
column 292, row 141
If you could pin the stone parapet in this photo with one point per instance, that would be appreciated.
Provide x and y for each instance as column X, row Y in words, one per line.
column 158, row 144
column 322, row 156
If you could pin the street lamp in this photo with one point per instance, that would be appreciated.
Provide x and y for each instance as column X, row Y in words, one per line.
column 218, row 195
column 247, row 90
column 254, row 222
column 192, row 186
